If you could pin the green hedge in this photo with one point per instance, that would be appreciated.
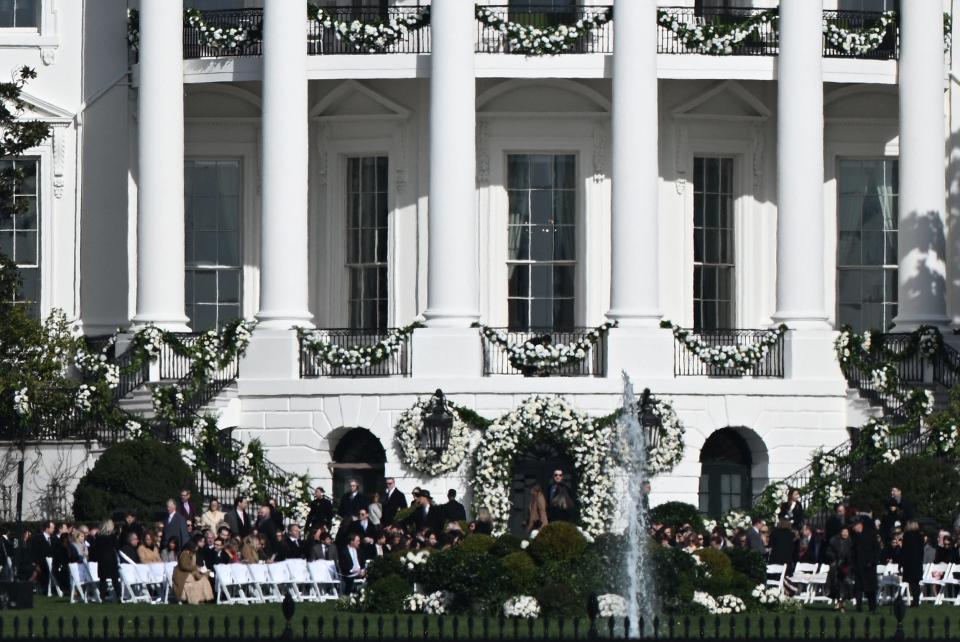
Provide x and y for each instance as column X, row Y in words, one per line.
column 676, row 514
column 558, row 541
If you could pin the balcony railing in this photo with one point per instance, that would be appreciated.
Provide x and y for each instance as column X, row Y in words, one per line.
column 326, row 41
column 396, row 365
column 763, row 42
column 493, row 40
column 687, row 364
column 889, row 49
column 195, row 46
column 497, row 361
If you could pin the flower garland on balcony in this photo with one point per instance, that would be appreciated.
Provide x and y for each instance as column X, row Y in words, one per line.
column 715, row 39
column 407, row 433
column 355, row 357
column 542, row 41
column 531, row 354
column 372, row 37
column 859, row 41
column 739, row 358
column 224, row 39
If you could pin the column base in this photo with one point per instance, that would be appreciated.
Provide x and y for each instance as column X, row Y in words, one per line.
column 447, row 353
column 635, row 319
column 910, row 324
column 272, row 354
column 643, row 352
column 450, row 319
column 170, row 324
column 284, row 320
column 810, row 354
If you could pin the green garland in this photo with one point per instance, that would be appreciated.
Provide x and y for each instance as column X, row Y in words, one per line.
column 542, row 41
column 354, row 357
column 531, row 354
column 716, row 39
column 734, row 357
column 372, row 37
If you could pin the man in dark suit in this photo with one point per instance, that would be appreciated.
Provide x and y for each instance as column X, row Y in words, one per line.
column 428, row 516
column 237, row 518
column 560, row 503
column 267, row 527
column 368, row 533
column 835, row 522
column 174, row 526
column 321, row 511
column 41, row 547
column 453, row 511
column 394, row 501
column 352, row 501
column 350, row 562
column 755, row 537
column 290, row 546
column 905, row 508
column 130, row 525
column 186, row 507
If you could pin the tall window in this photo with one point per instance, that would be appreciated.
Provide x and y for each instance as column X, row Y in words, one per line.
column 541, row 250
column 20, row 230
column 22, row 14
column 367, row 241
column 867, row 243
column 213, row 257
column 713, row 250
column 725, row 477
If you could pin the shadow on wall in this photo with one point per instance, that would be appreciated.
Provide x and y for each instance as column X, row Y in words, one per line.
column 924, row 277
column 953, row 223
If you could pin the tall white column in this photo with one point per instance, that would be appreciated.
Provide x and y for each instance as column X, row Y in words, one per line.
column 800, row 260
column 284, row 263
column 634, row 274
column 160, row 226
column 452, row 271
column 922, row 223
column 284, row 297
column 448, row 347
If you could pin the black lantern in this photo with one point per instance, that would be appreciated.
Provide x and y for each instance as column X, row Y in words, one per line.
column 437, row 423
column 649, row 419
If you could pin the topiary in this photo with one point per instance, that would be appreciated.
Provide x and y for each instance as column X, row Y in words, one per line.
column 386, row 595
column 385, row 566
column 935, row 493
column 676, row 577
column 677, row 514
column 135, row 475
column 477, row 543
column 717, row 563
column 749, row 563
column 475, row 582
column 561, row 600
column 506, row 544
column 558, row 541
column 521, row 573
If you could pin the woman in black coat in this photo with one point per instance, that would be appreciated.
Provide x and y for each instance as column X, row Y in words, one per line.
column 108, row 567
column 840, row 556
column 783, row 545
column 866, row 556
column 911, row 560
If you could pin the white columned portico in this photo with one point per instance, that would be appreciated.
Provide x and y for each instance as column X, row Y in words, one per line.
column 638, row 345
column 284, row 297
column 160, row 208
column 800, row 215
column 922, row 222
column 448, row 346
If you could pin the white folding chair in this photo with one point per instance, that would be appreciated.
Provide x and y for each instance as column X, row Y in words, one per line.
column 951, row 585
column 279, row 573
column 932, row 583
column 800, row 578
column 52, row 586
column 323, row 574
column 82, row 584
column 132, row 587
column 306, row 590
column 229, row 586
column 817, row 585
column 267, row 589
column 775, row 575
column 168, row 568
column 889, row 583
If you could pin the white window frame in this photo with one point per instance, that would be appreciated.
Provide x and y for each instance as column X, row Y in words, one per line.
column 45, row 36
column 735, row 223
column 350, row 267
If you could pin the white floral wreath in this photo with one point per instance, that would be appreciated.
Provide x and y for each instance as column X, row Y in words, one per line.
column 739, row 358
column 668, row 451
column 538, row 417
column 407, row 433
column 534, row 355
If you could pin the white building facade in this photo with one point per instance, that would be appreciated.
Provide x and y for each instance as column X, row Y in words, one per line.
column 635, row 179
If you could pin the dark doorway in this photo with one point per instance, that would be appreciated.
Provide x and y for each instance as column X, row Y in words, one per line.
column 532, row 467
column 725, row 478
column 359, row 455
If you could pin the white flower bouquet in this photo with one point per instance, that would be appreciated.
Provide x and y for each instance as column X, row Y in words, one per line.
column 521, row 606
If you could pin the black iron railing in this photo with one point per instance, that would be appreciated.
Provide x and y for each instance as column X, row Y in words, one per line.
column 69, row 423
column 498, row 361
column 599, row 40
column 764, row 42
column 396, row 365
column 250, row 20
column 321, row 40
column 130, row 378
column 857, row 21
column 173, row 365
column 687, row 364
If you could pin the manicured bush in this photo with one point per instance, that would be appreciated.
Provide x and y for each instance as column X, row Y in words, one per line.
column 477, row 543
column 676, row 514
column 476, row 581
column 561, row 600
column 132, row 475
column 385, row 566
column 717, row 563
column 676, row 577
column 558, row 541
column 521, row 573
column 931, row 484
column 748, row 563
column 506, row 544
column 387, row 593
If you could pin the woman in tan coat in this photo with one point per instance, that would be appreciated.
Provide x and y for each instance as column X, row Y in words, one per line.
column 190, row 584
column 148, row 551
column 538, row 509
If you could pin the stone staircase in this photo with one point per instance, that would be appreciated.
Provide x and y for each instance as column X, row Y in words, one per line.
column 139, row 402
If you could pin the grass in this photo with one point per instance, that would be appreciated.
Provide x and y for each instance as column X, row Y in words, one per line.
column 263, row 621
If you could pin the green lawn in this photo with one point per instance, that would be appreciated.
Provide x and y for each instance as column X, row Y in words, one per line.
column 265, row 621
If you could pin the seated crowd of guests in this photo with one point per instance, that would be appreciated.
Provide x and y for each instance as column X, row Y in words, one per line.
column 362, row 528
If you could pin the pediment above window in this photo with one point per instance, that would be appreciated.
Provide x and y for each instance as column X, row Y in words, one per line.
column 727, row 100
column 354, row 99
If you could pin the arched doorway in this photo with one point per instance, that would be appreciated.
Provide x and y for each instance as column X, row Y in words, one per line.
column 532, row 467
column 726, row 474
column 358, row 455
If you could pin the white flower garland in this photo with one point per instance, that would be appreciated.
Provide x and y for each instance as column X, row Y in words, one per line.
column 522, row 606
column 739, row 358
column 532, row 355
column 372, row 37
column 714, row 39
column 224, row 39
column 736, row 519
column 436, row 603
column 355, row 357
column 723, row 605
column 407, row 433
column 542, row 41
column 553, row 418
column 859, row 41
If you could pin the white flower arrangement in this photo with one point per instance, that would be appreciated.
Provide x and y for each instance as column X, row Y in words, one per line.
column 226, row 40
column 740, row 358
column 326, row 353
column 930, row 341
column 21, row 402
column 522, row 606
column 540, row 417
column 372, row 37
column 826, row 461
column 436, row 603
column 134, row 429
column 84, row 396
column 770, row 595
column 542, row 41
column 714, row 39
column 736, row 519
column 891, row 456
column 723, row 605
column 835, row 493
column 709, row 524
column 859, row 42
column 884, row 378
column 946, row 438
column 407, row 434
column 534, row 355
column 667, row 451
column 612, row 605
column 414, row 559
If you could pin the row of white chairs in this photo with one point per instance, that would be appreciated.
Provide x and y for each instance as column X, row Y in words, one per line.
column 315, row 581
column 940, row 583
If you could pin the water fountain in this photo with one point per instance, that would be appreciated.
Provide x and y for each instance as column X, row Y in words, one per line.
column 640, row 589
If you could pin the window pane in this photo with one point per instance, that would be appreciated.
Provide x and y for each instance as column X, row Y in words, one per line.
column 367, row 240
column 518, row 172
column 26, row 13
column 519, row 207
column 713, row 243
column 518, row 279
column 541, row 172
